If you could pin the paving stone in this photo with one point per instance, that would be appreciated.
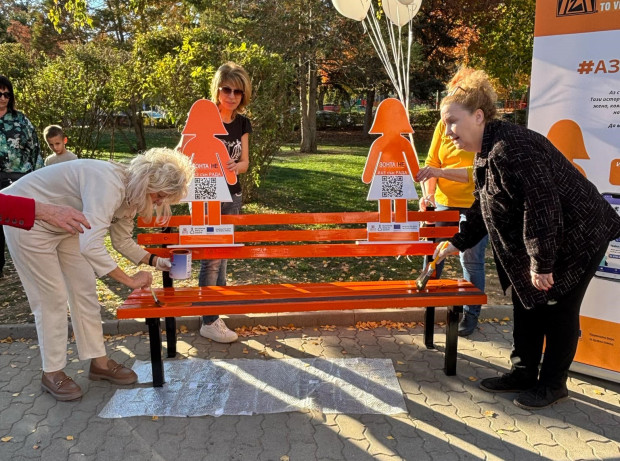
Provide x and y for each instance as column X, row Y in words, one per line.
column 446, row 417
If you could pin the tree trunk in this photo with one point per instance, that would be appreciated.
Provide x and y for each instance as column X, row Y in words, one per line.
column 138, row 125
column 307, row 93
column 321, row 98
column 370, row 102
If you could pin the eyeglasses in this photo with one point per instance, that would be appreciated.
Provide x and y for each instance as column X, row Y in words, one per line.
column 6, row 94
column 227, row 91
column 453, row 92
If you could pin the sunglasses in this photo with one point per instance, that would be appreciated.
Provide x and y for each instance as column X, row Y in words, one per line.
column 6, row 94
column 227, row 91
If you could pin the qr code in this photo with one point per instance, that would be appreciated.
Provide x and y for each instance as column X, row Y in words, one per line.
column 205, row 189
column 391, row 186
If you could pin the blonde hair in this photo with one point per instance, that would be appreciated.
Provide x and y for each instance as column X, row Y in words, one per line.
column 158, row 170
column 472, row 90
column 236, row 76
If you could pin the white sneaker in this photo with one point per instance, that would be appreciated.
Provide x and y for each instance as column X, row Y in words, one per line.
column 218, row 332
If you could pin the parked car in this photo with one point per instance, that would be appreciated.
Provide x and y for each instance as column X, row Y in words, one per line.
column 331, row 107
column 329, row 119
column 154, row 118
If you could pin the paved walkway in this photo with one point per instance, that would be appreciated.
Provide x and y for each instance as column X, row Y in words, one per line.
column 448, row 418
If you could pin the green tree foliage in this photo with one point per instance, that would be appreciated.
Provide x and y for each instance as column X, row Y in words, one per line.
column 75, row 91
column 504, row 48
column 181, row 64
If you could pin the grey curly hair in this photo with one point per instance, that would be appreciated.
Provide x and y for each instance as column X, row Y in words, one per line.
column 162, row 171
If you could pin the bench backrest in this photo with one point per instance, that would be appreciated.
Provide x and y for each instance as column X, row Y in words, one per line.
column 304, row 235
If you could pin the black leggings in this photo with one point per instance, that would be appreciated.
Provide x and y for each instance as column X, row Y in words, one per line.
column 555, row 325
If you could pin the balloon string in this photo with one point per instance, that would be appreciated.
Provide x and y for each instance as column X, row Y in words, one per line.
column 396, row 56
column 378, row 43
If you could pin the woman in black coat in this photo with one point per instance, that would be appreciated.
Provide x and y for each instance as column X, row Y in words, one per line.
column 549, row 228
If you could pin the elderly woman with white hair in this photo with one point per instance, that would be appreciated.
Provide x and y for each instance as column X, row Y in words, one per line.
column 57, row 267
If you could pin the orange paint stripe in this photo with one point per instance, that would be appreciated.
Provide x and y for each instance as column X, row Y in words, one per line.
column 393, row 236
column 205, row 239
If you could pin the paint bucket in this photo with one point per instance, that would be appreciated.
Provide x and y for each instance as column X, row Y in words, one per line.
column 181, row 261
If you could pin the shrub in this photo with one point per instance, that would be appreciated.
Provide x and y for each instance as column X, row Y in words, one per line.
column 424, row 119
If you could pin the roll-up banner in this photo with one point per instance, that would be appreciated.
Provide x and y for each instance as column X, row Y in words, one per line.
column 575, row 102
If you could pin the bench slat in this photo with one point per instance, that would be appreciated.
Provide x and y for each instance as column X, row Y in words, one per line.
column 316, row 235
column 319, row 250
column 310, row 218
column 247, row 299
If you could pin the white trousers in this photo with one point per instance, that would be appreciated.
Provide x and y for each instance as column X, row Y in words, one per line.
column 54, row 273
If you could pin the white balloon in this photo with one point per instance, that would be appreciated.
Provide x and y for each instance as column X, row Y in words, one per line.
column 352, row 9
column 399, row 13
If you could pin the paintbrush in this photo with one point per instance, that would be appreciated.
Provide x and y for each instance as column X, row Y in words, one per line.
column 157, row 301
column 426, row 274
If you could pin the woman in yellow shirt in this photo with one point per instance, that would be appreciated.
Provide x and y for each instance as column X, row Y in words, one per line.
column 447, row 184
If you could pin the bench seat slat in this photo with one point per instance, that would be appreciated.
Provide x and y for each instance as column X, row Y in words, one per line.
column 246, row 299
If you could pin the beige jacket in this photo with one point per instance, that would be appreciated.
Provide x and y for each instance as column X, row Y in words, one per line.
column 96, row 188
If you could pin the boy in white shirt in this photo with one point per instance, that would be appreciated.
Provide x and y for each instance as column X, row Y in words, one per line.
column 56, row 140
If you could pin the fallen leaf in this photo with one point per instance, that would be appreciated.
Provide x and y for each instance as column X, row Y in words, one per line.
column 490, row 414
column 16, row 394
column 399, row 375
column 154, row 418
column 69, row 437
column 389, row 437
column 8, row 438
column 473, row 378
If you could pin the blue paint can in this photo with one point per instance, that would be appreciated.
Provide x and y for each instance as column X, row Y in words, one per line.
column 181, row 261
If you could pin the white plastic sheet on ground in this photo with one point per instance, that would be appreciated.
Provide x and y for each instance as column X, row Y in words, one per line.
column 198, row 387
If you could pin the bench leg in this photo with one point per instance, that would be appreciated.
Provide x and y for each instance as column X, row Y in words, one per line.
column 429, row 327
column 171, row 323
column 171, row 336
column 157, row 364
column 452, row 337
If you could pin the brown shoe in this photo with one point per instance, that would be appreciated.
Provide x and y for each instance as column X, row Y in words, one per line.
column 115, row 373
column 60, row 386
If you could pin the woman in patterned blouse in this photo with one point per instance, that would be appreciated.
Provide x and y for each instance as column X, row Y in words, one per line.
column 19, row 146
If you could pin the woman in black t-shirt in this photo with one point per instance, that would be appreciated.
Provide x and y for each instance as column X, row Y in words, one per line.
column 231, row 91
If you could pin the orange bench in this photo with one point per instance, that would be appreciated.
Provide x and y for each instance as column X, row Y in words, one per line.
column 345, row 238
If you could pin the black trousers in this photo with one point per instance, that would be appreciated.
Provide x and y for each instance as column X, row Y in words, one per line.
column 554, row 325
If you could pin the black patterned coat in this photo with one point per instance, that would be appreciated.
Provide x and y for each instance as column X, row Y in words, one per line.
column 540, row 212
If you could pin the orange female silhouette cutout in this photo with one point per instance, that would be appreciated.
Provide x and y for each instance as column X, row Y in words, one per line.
column 209, row 155
column 567, row 137
column 391, row 164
